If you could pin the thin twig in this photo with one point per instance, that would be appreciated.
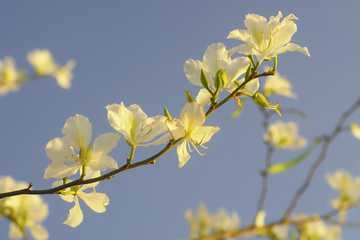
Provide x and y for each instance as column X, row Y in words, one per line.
column 321, row 158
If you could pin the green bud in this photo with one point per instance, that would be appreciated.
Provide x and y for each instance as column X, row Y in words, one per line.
column 260, row 100
column 220, row 79
column 205, row 82
column 167, row 114
column 189, row 98
column 248, row 73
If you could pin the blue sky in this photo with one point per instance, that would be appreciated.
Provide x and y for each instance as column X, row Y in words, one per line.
column 134, row 52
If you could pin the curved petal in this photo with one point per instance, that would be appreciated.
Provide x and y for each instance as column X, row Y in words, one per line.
column 163, row 139
column 237, row 67
column 77, row 132
column 183, row 154
column 291, row 47
column 75, row 215
column 14, row 231
column 106, row 162
column 203, row 97
column 176, row 128
column 203, row 134
column 192, row 115
column 215, row 58
column 192, row 71
column 96, row 201
column 151, row 128
column 251, row 87
column 242, row 35
column 105, row 143
column 242, row 49
column 60, row 170
column 39, row 232
column 59, row 151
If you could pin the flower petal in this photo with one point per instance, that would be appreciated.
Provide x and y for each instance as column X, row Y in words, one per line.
column 192, row 71
column 105, row 143
column 163, row 139
column 183, row 154
column 75, row 215
column 203, row 97
column 237, row 67
column 39, row 232
column 77, row 132
column 215, row 58
column 251, row 87
column 96, row 201
column 59, row 151
column 192, row 115
column 176, row 128
column 243, row 49
column 202, row 134
column 106, row 162
column 150, row 128
column 60, row 170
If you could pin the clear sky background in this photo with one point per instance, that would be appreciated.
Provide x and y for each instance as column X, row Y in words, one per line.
column 134, row 52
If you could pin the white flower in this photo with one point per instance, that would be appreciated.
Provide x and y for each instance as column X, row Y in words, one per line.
column 215, row 59
column 278, row 85
column 44, row 64
column 348, row 187
column 23, row 211
column 63, row 74
column 284, row 135
column 266, row 39
column 96, row 201
column 136, row 127
column 8, row 76
column 316, row 229
column 189, row 126
column 78, row 134
column 203, row 224
column 355, row 130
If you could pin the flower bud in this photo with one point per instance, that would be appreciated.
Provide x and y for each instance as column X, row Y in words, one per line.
column 167, row 114
column 205, row 82
column 220, row 79
column 189, row 98
column 260, row 100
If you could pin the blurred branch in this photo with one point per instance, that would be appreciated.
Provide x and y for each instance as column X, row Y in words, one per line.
column 327, row 141
column 264, row 173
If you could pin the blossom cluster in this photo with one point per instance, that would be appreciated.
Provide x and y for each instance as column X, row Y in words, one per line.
column 74, row 154
column 44, row 65
column 24, row 211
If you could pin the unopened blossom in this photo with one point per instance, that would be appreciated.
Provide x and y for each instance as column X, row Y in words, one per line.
column 216, row 58
column 9, row 76
column 78, row 133
column 44, row 64
column 23, row 211
column 189, row 126
column 203, row 223
column 96, row 201
column 348, row 187
column 284, row 135
column 278, row 85
column 137, row 128
column 266, row 39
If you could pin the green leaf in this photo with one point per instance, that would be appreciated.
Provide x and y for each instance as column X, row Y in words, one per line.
column 280, row 167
